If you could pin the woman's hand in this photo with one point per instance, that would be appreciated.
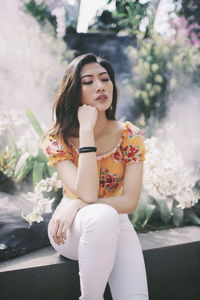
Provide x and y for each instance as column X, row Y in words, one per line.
column 87, row 116
column 62, row 219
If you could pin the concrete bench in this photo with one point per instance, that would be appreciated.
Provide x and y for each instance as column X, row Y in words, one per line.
column 172, row 259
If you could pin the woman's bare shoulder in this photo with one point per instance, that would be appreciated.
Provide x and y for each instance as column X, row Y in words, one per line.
column 116, row 125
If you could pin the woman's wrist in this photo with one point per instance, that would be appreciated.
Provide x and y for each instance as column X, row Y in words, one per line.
column 86, row 128
column 86, row 136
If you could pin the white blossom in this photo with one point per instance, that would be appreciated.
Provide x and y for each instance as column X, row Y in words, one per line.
column 12, row 117
column 165, row 174
column 29, row 143
column 3, row 246
column 60, row 15
column 42, row 204
column 34, row 216
column 38, row 2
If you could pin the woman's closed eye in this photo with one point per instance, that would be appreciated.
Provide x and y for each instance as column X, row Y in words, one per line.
column 91, row 81
column 87, row 82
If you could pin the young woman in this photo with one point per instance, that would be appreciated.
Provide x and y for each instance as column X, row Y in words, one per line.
column 100, row 162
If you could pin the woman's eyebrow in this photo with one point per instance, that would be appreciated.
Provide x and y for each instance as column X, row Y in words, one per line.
column 88, row 75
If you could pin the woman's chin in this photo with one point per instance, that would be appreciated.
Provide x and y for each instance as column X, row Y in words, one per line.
column 102, row 107
column 101, row 110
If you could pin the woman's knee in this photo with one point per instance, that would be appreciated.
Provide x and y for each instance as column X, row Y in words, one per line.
column 101, row 216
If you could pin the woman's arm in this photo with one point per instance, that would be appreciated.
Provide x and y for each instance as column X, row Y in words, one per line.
column 87, row 179
column 127, row 202
column 84, row 180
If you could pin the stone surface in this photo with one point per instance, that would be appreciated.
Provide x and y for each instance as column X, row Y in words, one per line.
column 172, row 259
column 150, row 240
column 169, row 237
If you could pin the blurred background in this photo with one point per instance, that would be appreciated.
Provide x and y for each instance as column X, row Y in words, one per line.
column 154, row 48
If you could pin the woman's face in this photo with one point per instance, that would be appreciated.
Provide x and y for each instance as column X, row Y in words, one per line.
column 96, row 86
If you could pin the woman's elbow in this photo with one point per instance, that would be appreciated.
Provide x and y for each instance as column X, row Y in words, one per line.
column 86, row 195
column 131, row 210
column 89, row 198
column 131, row 207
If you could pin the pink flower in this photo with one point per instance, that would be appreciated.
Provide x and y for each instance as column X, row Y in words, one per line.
column 54, row 144
column 117, row 156
column 131, row 131
column 48, row 150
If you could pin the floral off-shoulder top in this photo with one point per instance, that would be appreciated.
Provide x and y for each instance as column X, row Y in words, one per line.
column 111, row 166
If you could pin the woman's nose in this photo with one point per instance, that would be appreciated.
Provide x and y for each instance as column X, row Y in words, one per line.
column 99, row 86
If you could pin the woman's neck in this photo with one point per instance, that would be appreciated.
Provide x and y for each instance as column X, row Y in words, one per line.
column 101, row 125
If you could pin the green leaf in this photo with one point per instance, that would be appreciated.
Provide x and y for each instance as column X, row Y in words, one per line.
column 177, row 216
column 164, row 210
column 192, row 217
column 23, row 167
column 150, row 208
column 34, row 122
column 12, row 147
column 41, row 157
column 139, row 214
column 50, row 170
column 38, row 169
column 21, row 163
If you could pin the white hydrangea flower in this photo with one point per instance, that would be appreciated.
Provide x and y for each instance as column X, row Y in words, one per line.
column 165, row 174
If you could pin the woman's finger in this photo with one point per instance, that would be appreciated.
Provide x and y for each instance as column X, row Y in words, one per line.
column 64, row 232
column 59, row 232
column 54, row 231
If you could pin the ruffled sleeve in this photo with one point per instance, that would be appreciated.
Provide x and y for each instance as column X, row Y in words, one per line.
column 56, row 150
column 133, row 147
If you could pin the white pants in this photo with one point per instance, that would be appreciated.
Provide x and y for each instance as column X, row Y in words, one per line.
column 108, row 250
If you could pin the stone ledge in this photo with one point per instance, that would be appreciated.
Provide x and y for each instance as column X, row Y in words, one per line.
column 150, row 240
column 172, row 259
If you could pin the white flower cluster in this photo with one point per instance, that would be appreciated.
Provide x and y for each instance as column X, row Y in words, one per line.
column 42, row 204
column 12, row 117
column 29, row 142
column 165, row 174
column 60, row 15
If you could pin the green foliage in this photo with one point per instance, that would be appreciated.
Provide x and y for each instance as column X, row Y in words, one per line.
column 191, row 217
column 190, row 9
column 155, row 215
column 164, row 211
column 38, row 170
column 127, row 16
column 18, row 166
column 34, row 122
column 23, row 166
column 150, row 76
column 40, row 12
column 142, row 215
column 178, row 215
column 159, row 65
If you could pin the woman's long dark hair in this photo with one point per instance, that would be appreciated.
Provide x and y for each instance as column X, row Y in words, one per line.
column 68, row 98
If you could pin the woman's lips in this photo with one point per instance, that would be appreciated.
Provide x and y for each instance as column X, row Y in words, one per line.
column 102, row 98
